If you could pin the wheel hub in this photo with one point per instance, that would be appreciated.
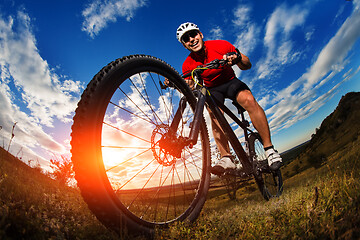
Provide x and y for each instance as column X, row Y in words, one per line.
column 166, row 146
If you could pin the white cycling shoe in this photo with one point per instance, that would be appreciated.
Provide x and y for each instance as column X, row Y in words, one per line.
column 274, row 159
column 224, row 164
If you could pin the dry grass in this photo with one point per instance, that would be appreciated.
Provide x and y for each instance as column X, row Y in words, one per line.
column 33, row 206
column 320, row 203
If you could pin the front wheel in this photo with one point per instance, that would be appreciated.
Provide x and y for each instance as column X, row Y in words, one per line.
column 126, row 174
column 269, row 182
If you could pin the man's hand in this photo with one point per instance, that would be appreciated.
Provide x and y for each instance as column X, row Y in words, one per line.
column 191, row 83
column 188, row 81
column 232, row 58
column 167, row 82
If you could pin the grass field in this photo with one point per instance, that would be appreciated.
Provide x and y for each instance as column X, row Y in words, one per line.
column 318, row 203
column 321, row 198
column 33, row 206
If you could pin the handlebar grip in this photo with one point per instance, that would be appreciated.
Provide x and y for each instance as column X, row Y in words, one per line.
column 231, row 53
column 238, row 56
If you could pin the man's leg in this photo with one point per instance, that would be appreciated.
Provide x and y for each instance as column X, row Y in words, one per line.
column 259, row 120
column 219, row 136
column 257, row 115
column 222, row 143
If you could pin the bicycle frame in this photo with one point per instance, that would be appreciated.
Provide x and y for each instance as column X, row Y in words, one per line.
column 162, row 176
column 204, row 97
column 229, row 133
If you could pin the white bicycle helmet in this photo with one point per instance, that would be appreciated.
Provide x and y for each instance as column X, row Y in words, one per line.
column 185, row 27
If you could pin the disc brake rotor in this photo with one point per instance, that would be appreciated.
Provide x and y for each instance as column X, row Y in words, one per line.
column 161, row 155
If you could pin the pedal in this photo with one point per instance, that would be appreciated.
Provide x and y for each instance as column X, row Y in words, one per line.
column 231, row 172
column 236, row 173
column 222, row 173
column 263, row 167
column 218, row 171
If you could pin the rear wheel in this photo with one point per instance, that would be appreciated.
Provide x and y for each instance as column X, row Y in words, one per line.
column 269, row 182
column 127, row 175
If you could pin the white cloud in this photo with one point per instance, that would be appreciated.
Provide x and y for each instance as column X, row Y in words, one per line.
column 356, row 4
column 241, row 14
column 98, row 13
column 31, row 93
column 309, row 34
column 331, row 58
column 280, row 50
column 216, row 33
column 299, row 100
column 249, row 32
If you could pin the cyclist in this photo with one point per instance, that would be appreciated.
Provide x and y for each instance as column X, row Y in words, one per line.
column 222, row 83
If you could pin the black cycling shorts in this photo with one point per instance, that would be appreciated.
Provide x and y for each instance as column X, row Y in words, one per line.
column 229, row 90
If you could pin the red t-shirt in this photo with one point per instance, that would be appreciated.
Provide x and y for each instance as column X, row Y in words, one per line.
column 214, row 49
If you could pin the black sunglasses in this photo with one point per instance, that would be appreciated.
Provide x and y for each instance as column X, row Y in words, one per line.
column 186, row 37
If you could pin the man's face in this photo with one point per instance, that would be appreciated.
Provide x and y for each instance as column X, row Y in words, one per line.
column 193, row 40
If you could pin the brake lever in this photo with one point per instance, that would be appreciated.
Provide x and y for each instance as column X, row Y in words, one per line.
column 162, row 86
column 223, row 62
column 165, row 86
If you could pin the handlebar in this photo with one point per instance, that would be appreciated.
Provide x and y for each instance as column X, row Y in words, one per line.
column 199, row 69
column 211, row 65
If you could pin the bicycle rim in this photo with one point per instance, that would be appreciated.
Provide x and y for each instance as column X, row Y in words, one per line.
column 129, row 113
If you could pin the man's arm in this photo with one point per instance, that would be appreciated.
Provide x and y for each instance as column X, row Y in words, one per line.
column 245, row 63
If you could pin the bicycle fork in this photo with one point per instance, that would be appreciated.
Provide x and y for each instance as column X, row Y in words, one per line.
column 174, row 144
column 195, row 127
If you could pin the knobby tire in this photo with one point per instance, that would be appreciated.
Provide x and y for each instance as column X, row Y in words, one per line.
column 128, row 181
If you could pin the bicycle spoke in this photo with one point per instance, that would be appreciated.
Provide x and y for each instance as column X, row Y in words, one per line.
column 156, row 194
column 148, row 103
column 157, row 202
column 192, row 162
column 144, row 185
column 121, row 130
column 182, row 184
column 127, row 160
column 159, row 188
column 162, row 98
column 136, row 174
column 146, row 94
column 152, row 191
column 169, row 199
column 189, row 175
column 126, row 147
column 116, row 105
column 136, row 105
column 141, row 171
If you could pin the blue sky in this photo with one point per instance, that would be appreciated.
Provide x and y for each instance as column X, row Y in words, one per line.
column 305, row 56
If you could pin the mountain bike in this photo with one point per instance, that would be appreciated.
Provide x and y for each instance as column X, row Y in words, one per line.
column 141, row 150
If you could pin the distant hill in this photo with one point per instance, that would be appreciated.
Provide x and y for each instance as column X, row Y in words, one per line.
column 341, row 127
column 292, row 153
